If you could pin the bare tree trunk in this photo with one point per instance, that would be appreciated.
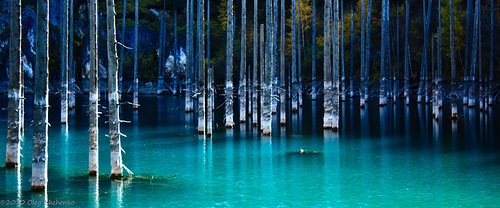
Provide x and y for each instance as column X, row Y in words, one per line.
column 14, row 136
column 94, row 92
column 71, row 65
column 243, row 62
column 294, row 59
column 209, row 84
column 114, row 107
column 283, row 102
column 122, row 49
column 480, row 94
column 41, row 106
column 268, row 74
column 439, row 92
column 396, row 74
column 468, row 49
column 336, row 81
column 189, row 55
column 161, row 64
column 384, row 66
column 200, row 42
column 327, row 67
column 299, row 41
column 229, row 66
column 351, row 71
column 64, row 62
column 314, row 92
column 175, row 52
column 342, row 60
column 275, row 75
column 492, row 47
column 136, row 54
column 367, row 50
column 262, row 76
column 362, row 80
column 454, row 96
column 407, row 54
column 255, row 66
column 475, row 39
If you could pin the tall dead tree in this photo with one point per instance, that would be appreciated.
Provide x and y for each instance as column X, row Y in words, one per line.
column 335, row 74
column 327, row 67
column 71, row 62
column 362, row 63
column 113, row 99
column 64, row 62
column 94, row 92
column 492, row 47
column 454, row 96
column 474, row 58
column 189, row 56
column 385, row 64
column 229, row 66
column 268, row 73
column 255, row 68
column 468, row 43
column 299, row 51
column 243, row 62
column 41, row 106
column 200, row 45
column 314, row 92
column 14, row 136
column 294, row 59
column 407, row 54
column 136, row 54
column 283, row 102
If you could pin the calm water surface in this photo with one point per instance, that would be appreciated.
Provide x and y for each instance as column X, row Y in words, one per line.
column 391, row 156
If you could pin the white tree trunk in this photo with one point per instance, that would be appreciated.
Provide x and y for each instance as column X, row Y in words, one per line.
column 407, row 54
column 384, row 66
column 336, row 81
column 454, row 96
column 94, row 92
column 243, row 63
column 268, row 74
column 189, row 55
column 294, row 59
column 327, row 67
column 474, row 65
column 64, row 62
column 113, row 99
column 14, row 136
column 136, row 54
column 262, row 77
column 255, row 78
column 283, row 101
column 41, row 106
column 229, row 66
column 200, row 40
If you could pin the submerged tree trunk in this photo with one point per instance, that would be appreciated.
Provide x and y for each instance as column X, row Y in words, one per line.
column 294, row 59
column 423, row 88
column 439, row 92
column 200, row 42
column 299, row 41
column 396, row 74
column 175, row 53
column 209, row 82
column 454, row 96
column 343, row 76
column 314, row 92
column 14, row 136
column 492, row 47
column 114, row 107
column 122, row 49
column 136, row 53
column 268, row 74
column 475, row 39
column 229, row 66
column 255, row 78
column 161, row 64
column 41, row 106
column 283, row 102
column 327, row 67
column 243, row 62
column 363, row 46
column 64, row 62
column 351, row 66
column 94, row 92
column 335, row 74
column 385, row 65
column 262, row 76
column 468, row 43
column 407, row 54
column 367, row 50
column 275, row 75
column 189, row 56
column 71, row 65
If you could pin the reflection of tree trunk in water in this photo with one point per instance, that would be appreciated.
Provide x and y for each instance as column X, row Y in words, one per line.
column 94, row 92
column 41, row 106
column 114, row 107
column 14, row 109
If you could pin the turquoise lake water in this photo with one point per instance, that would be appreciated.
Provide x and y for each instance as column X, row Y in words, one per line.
column 391, row 156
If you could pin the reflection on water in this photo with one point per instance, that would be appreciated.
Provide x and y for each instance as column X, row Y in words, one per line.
column 395, row 155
